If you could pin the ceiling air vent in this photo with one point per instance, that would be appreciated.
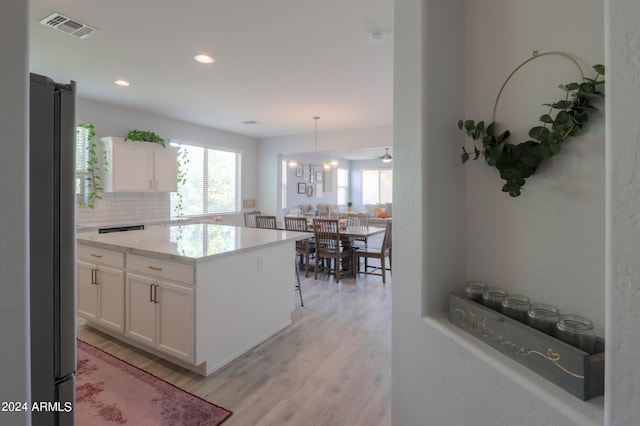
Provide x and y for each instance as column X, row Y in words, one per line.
column 67, row 25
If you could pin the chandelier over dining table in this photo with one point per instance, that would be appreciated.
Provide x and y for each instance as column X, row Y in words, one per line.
column 328, row 165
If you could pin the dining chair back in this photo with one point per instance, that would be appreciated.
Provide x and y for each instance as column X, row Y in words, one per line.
column 266, row 222
column 250, row 218
column 380, row 253
column 304, row 248
column 328, row 247
column 358, row 222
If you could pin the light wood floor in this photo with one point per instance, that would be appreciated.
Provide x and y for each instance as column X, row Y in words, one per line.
column 332, row 366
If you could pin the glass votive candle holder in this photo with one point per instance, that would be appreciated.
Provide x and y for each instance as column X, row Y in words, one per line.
column 543, row 317
column 493, row 297
column 576, row 331
column 475, row 290
column 516, row 306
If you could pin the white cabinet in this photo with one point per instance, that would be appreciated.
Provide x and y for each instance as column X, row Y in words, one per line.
column 159, row 311
column 100, row 277
column 138, row 166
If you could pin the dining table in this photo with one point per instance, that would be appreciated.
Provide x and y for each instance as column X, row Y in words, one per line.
column 349, row 234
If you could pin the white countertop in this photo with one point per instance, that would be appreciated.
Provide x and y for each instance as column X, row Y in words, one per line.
column 191, row 243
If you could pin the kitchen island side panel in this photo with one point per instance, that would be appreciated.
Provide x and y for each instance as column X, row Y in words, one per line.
column 242, row 300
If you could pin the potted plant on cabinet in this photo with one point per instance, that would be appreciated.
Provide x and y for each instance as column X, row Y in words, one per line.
column 148, row 136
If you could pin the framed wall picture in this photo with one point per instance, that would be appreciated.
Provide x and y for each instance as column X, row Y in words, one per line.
column 302, row 188
column 312, row 177
column 318, row 176
column 312, row 168
column 319, row 193
column 299, row 170
column 310, row 191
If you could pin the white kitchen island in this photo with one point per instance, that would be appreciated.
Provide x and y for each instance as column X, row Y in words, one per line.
column 199, row 295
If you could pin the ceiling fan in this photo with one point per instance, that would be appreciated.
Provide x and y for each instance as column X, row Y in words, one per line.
column 386, row 158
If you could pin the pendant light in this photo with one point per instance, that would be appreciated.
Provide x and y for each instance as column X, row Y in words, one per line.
column 332, row 164
column 386, row 158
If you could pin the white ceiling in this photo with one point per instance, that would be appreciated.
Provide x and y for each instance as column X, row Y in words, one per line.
column 277, row 62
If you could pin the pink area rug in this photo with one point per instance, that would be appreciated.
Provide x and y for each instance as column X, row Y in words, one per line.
column 110, row 391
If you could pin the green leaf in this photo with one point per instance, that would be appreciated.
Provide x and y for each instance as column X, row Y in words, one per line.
column 504, row 136
column 599, row 68
column 491, row 129
column 561, row 119
column 476, row 152
column 509, row 174
column 555, row 148
column 539, row 133
column 544, row 151
column 546, row 118
column 460, row 124
column 562, row 105
column 464, row 157
column 468, row 125
column 569, row 87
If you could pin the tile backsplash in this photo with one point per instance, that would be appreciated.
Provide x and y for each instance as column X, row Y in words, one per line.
column 119, row 207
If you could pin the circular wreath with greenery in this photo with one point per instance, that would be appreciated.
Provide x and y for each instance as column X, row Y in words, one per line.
column 517, row 162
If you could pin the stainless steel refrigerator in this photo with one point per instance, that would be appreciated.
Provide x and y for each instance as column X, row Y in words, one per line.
column 52, row 250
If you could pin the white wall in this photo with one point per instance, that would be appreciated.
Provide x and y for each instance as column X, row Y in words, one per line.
column 14, row 212
column 329, row 194
column 271, row 150
column 440, row 375
column 112, row 120
column 622, row 385
column 549, row 242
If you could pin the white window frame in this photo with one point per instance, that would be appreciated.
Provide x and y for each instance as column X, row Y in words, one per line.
column 283, row 172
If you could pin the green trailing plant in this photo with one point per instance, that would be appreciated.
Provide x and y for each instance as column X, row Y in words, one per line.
column 517, row 162
column 148, row 136
column 183, row 166
column 93, row 179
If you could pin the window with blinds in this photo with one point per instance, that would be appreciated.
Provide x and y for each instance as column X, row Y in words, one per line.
column 212, row 181
column 82, row 140
column 377, row 186
column 342, row 186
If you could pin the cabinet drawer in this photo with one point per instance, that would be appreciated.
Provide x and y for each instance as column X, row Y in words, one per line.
column 100, row 256
column 160, row 268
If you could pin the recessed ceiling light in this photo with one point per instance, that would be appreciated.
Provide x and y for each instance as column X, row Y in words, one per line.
column 124, row 83
column 204, row 59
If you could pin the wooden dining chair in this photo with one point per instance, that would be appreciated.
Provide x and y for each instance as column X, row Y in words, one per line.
column 380, row 253
column 250, row 218
column 358, row 221
column 304, row 248
column 328, row 247
column 266, row 222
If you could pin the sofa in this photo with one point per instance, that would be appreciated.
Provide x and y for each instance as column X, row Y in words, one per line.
column 379, row 211
column 379, row 214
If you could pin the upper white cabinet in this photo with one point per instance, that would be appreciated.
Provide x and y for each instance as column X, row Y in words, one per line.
column 139, row 166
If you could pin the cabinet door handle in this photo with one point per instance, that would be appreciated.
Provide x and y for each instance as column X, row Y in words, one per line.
column 151, row 293
column 94, row 276
column 96, row 255
column 155, row 293
column 154, row 268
